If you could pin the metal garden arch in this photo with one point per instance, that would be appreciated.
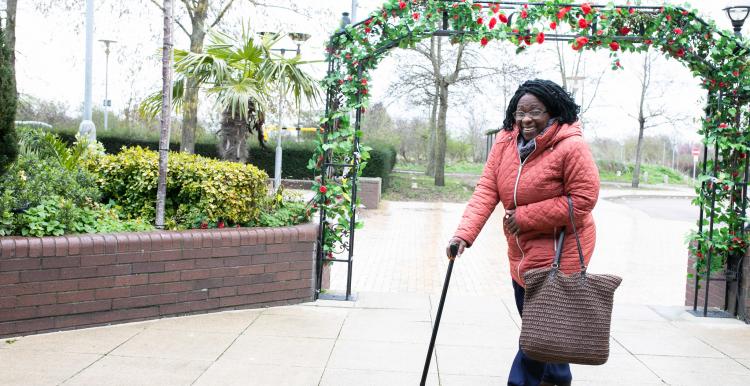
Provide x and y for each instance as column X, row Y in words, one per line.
column 715, row 56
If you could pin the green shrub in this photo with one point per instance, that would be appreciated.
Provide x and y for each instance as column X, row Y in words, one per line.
column 282, row 209
column 199, row 189
column 57, row 216
column 8, row 100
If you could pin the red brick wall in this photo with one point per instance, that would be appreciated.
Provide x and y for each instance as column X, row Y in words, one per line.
column 55, row 283
column 716, row 290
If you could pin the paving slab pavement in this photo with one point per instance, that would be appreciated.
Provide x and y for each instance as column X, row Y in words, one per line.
column 368, row 342
column 381, row 338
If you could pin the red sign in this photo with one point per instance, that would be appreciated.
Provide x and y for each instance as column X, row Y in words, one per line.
column 696, row 152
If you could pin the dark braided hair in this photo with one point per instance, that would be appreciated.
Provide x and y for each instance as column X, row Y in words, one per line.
column 558, row 102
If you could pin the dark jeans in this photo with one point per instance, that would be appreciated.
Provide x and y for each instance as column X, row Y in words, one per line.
column 528, row 372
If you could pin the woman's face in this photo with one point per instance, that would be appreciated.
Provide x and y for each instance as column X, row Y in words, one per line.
column 533, row 114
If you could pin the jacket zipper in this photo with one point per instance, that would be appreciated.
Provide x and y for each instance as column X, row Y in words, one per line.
column 515, row 203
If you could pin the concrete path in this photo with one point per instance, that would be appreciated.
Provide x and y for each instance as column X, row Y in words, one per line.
column 382, row 337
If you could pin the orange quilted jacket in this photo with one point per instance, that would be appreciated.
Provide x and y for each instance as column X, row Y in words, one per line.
column 560, row 165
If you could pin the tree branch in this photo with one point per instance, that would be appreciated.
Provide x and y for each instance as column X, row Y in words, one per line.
column 189, row 8
column 221, row 14
column 182, row 27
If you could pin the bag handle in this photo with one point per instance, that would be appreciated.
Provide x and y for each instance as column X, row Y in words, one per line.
column 558, row 253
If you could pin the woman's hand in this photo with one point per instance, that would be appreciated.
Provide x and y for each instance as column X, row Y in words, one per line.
column 510, row 221
column 461, row 246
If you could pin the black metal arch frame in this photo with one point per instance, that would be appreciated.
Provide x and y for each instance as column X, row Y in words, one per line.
column 351, row 169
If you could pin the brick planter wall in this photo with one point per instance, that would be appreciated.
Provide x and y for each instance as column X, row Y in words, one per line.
column 717, row 290
column 56, row 283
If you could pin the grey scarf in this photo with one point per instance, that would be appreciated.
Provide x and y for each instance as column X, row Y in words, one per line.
column 525, row 148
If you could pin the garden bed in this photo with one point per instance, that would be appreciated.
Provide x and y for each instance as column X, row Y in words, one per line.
column 58, row 283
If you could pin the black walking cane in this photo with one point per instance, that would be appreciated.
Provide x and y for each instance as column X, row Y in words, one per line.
column 454, row 252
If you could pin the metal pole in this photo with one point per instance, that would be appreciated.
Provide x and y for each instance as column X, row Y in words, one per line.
column 712, row 214
column 277, row 164
column 87, row 127
column 106, row 84
column 354, row 11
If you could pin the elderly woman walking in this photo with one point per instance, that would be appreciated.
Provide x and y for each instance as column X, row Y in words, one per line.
column 538, row 160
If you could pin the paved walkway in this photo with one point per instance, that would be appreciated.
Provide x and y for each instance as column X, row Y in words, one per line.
column 382, row 337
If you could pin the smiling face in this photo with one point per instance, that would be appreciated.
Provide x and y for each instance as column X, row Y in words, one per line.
column 535, row 116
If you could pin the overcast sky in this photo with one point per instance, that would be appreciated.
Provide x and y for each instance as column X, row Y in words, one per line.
column 51, row 54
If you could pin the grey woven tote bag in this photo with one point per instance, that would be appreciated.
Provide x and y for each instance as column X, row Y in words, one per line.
column 566, row 318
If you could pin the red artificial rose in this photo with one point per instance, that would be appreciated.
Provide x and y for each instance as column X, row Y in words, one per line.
column 495, row 8
column 583, row 23
column 480, row 21
column 743, row 155
column 680, row 53
column 364, row 82
column 599, row 33
column 484, row 41
column 415, row 16
column 631, row 10
column 685, row 12
column 368, row 21
column 698, row 254
column 561, row 13
column 736, row 73
column 220, row 224
column 648, row 41
column 368, row 30
column 580, row 42
column 553, row 25
column 617, row 63
column 323, row 189
column 722, row 125
column 204, row 225
column 669, row 17
column 502, row 18
column 493, row 22
column 524, row 14
column 726, row 187
column 401, row 5
column 540, row 38
column 586, row 8
column 624, row 30
column 614, row 46
column 455, row 17
column 348, row 56
column 678, row 31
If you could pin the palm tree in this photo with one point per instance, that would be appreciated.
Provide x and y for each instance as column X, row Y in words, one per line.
column 238, row 72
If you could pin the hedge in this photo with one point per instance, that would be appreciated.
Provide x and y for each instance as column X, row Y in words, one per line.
column 8, row 100
column 295, row 155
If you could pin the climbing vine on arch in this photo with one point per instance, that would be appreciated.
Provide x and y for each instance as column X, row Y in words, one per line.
column 712, row 55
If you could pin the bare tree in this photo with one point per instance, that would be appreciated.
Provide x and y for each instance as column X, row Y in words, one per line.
column 650, row 112
column 166, row 112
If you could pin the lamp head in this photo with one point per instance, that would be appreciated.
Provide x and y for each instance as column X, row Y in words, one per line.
column 737, row 14
column 299, row 37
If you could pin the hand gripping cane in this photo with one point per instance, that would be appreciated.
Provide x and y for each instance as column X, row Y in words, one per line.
column 454, row 252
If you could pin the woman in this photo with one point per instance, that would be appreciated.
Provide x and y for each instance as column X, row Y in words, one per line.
column 538, row 159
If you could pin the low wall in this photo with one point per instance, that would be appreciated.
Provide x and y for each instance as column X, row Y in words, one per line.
column 716, row 290
column 370, row 189
column 56, row 283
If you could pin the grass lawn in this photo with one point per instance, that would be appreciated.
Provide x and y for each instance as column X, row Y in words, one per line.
column 400, row 189
column 457, row 167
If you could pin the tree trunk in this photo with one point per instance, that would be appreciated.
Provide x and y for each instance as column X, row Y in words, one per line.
column 430, row 171
column 166, row 112
column 638, row 154
column 190, row 107
column 441, row 137
column 233, row 137
column 10, row 31
column 645, row 81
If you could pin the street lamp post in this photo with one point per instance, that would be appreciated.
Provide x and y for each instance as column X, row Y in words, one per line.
column 87, row 128
column 298, row 38
column 107, row 102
